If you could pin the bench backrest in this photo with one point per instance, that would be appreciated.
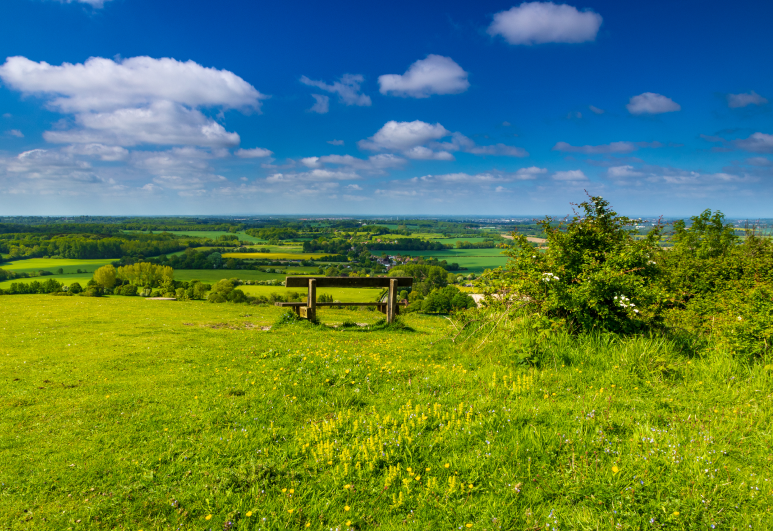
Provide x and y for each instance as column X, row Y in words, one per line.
column 347, row 282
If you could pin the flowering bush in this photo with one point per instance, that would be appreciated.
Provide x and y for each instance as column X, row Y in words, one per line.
column 594, row 274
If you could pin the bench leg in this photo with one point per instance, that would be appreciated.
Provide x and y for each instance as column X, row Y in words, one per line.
column 391, row 300
column 311, row 302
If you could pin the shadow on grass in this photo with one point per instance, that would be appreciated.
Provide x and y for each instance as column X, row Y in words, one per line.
column 290, row 318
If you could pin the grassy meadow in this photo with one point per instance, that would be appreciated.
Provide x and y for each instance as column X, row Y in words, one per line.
column 124, row 413
column 70, row 266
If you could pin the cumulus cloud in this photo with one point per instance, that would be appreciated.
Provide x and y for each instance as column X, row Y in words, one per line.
column 162, row 122
column 15, row 132
column 374, row 164
column 400, row 136
column 434, row 75
column 254, row 153
column 135, row 101
column 50, row 172
column 619, row 172
column 424, row 153
column 613, row 147
column 543, row 22
column 99, row 151
column 570, row 175
column 420, row 140
column 484, row 178
column 735, row 101
column 756, row 143
column 321, row 104
column 103, row 84
column 336, row 142
column 347, row 88
column 651, row 103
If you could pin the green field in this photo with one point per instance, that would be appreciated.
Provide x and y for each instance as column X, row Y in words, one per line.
column 211, row 234
column 63, row 279
column 213, row 275
column 339, row 294
column 33, row 265
column 125, row 413
column 475, row 260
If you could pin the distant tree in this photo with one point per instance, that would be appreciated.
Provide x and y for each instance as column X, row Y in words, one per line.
column 75, row 287
column 105, row 276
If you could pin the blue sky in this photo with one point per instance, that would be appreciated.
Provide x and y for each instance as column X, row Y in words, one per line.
column 408, row 108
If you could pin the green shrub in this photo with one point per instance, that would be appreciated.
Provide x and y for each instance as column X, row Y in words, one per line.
column 594, row 275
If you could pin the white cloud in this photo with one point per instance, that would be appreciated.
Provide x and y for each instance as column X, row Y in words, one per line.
column 756, row 143
column 15, row 132
column 619, row 172
column 254, row 153
column 313, row 175
column 135, row 101
column 595, row 109
column 735, row 101
column 311, row 162
column 495, row 176
column 571, row 175
column 336, row 142
column 419, row 140
column 613, row 147
column 100, row 151
column 102, row 84
column 529, row 173
column 424, row 153
column 651, row 103
column 374, row 163
column 355, row 187
column 401, row 136
column 434, row 75
column 321, row 105
column 347, row 88
column 97, row 4
column 459, row 142
column 542, row 22
column 162, row 122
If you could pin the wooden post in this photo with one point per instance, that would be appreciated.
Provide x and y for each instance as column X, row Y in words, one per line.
column 391, row 300
column 311, row 302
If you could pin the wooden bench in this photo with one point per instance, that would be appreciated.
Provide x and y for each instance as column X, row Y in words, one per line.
column 308, row 309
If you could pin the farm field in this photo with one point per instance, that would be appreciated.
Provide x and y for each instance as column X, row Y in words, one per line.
column 211, row 234
column 338, row 294
column 475, row 260
column 276, row 256
column 34, row 265
column 120, row 412
column 213, row 275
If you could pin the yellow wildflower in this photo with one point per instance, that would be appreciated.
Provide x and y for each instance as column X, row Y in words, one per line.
column 615, row 470
column 346, row 508
column 249, row 513
column 208, row 517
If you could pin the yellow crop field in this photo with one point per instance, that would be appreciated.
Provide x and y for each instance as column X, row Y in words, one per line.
column 276, row 256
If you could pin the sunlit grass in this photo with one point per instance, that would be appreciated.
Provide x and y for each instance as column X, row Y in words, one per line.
column 123, row 412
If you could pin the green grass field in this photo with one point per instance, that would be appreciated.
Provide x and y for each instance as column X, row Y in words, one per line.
column 126, row 413
column 34, row 265
column 338, row 294
column 475, row 260
column 211, row 234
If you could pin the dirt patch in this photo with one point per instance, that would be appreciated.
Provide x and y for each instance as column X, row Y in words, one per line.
column 236, row 326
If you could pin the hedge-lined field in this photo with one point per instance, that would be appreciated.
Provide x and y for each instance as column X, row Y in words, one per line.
column 120, row 412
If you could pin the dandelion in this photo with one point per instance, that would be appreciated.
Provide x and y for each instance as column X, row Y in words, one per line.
column 468, row 525
column 447, row 465
column 308, row 524
column 248, row 514
column 284, row 490
column 290, row 511
column 208, row 517
column 676, row 513
column 347, row 486
column 346, row 507
column 470, row 485
column 615, row 470
column 292, row 491
column 348, row 522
